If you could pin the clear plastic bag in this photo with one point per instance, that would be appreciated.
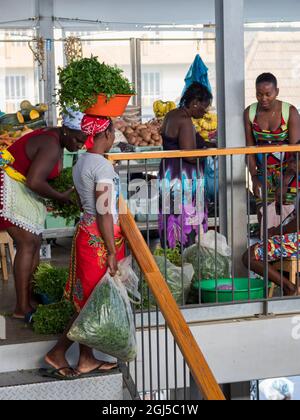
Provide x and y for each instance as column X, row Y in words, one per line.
column 277, row 389
column 179, row 284
column 211, row 240
column 207, row 263
column 106, row 322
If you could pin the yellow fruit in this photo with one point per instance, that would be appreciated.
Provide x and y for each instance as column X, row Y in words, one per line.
column 34, row 115
column 162, row 108
column 204, row 134
column 20, row 118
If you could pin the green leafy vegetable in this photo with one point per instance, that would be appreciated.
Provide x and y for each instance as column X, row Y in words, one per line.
column 82, row 80
column 173, row 255
column 61, row 184
column 207, row 264
column 50, row 281
column 106, row 323
column 178, row 280
column 52, row 319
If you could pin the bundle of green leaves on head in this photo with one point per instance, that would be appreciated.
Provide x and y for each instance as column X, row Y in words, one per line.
column 63, row 183
column 83, row 80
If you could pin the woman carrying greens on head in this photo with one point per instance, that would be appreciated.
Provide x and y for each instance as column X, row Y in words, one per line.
column 269, row 122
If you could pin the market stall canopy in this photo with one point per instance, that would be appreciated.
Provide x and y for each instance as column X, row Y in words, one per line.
column 145, row 12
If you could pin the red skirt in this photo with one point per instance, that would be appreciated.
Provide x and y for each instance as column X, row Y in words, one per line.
column 88, row 263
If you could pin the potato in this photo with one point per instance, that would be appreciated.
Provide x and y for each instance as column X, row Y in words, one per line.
column 128, row 131
column 146, row 134
column 155, row 137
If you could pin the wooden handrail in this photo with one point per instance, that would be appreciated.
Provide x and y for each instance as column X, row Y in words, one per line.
column 191, row 352
column 203, row 153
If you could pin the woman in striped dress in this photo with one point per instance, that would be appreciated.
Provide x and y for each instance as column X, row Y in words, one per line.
column 269, row 122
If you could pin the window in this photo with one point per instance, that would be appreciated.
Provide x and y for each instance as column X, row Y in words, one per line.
column 151, row 84
column 15, row 90
column 16, row 35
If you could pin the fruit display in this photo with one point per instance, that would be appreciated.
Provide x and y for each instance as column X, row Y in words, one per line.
column 207, row 126
column 141, row 135
column 27, row 119
column 162, row 108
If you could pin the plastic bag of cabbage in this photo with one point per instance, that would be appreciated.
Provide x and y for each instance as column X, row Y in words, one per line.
column 179, row 281
column 207, row 263
column 106, row 322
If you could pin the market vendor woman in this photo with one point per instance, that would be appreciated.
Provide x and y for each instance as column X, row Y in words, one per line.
column 25, row 168
column 98, row 243
column 269, row 122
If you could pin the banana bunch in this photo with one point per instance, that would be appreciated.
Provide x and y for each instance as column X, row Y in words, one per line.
column 207, row 125
column 161, row 108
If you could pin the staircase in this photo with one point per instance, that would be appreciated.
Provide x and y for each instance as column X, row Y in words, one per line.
column 20, row 378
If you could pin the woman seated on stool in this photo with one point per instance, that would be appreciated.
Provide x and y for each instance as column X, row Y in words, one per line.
column 283, row 241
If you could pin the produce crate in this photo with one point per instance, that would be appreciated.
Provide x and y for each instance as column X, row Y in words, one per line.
column 71, row 157
column 53, row 222
column 142, row 149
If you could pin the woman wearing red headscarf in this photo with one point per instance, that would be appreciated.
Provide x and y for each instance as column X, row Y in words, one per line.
column 98, row 243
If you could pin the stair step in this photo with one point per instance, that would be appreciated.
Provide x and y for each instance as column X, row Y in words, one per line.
column 30, row 385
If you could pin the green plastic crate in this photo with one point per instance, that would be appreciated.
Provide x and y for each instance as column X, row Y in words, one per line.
column 143, row 149
column 69, row 158
column 53, row 222
column 209, row 294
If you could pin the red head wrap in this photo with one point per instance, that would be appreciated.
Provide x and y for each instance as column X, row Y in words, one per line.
column 92, row 126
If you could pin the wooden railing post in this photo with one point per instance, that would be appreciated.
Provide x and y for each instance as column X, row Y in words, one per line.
column 191, row 352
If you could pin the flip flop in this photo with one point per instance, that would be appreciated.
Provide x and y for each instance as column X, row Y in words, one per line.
column 98, row 370
column 56, row 373
column 27, row 318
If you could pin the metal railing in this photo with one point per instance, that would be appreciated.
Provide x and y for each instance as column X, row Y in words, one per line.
column 161, row 371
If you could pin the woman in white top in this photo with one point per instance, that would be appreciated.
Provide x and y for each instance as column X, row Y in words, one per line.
column 98, row 243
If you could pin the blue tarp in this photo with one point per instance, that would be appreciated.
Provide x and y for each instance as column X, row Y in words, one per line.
column 198, row 72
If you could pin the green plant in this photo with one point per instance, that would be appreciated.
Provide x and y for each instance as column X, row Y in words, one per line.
column 52, row 319
column 173, row 255
column 50, row 281
column 62, row 183
column 82, row 80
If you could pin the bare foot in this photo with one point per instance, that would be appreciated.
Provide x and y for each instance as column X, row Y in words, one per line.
column 94, row 365
column 60, row 362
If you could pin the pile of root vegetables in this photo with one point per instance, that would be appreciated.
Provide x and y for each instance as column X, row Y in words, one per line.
column 141, row 135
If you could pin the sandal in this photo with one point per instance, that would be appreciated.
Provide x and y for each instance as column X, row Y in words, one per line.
column 27, row 318
column 98, row 370
column 56, row 373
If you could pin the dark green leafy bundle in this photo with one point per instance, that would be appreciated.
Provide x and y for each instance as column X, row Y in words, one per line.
column 61, row 184
column 82, row 80
column 106, row 324
column 53, row 319
column 178, row 281
column 50, row 281
column 172, row 255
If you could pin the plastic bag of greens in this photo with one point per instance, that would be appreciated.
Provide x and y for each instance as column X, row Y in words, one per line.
column 179, row 281
column 214, row 240
column 207, row 263
column 106, row 321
